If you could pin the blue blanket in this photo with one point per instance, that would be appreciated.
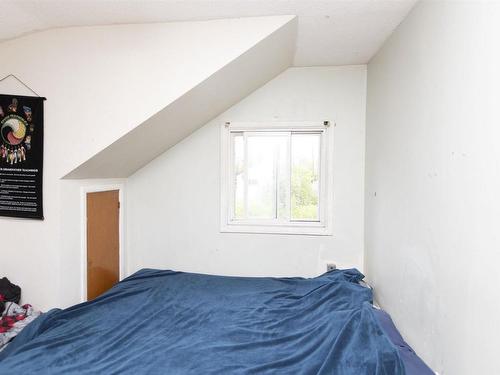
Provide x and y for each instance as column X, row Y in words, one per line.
column 165, row 322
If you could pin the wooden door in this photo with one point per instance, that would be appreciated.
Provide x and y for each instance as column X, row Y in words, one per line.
column 103, row 242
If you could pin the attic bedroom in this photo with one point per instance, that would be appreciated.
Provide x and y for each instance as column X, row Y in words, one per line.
column 249, row 187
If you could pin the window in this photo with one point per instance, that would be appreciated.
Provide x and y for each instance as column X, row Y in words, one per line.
column 276, row 178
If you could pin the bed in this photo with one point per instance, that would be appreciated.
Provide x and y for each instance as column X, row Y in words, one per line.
column 167, row 322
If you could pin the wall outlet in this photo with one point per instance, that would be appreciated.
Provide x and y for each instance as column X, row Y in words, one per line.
column 330, row 267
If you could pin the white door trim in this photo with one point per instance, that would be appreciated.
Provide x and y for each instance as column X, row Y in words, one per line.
column 121, row 235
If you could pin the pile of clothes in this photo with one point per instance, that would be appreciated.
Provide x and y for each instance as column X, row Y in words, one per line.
column 13, row 318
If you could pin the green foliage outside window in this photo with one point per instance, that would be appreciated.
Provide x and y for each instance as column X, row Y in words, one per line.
column 304, row 196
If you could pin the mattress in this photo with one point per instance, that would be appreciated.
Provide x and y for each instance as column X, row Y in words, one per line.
column 167, row 322
column 413, row 364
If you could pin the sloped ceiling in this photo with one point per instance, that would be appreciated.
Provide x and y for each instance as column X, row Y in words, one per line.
column 330, row 32
column 209, row 65
column 192, row 109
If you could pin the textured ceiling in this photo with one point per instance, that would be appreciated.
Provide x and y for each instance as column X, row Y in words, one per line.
column 330, row 32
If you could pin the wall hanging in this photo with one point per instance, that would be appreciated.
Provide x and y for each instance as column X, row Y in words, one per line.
column 21, row 155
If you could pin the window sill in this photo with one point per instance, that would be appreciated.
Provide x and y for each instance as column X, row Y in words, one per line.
column 301, row 229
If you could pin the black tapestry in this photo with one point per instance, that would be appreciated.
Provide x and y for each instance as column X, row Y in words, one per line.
column 21, row 156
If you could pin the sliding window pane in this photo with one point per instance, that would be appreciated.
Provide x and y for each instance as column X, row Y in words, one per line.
column 305, row 151
column 239, row 175
column 283, row 177
column 264, row 153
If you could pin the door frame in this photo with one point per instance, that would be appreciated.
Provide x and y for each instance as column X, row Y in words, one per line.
column 121, row 233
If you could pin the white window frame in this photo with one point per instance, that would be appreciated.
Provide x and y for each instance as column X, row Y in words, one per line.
column 323, row 227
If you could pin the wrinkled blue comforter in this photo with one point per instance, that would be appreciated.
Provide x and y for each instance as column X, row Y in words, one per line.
column 165, row 322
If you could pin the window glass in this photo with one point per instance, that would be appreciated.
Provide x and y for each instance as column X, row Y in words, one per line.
column 305, row 151
column 266, row 164
column 276, row 176
column 238, row 175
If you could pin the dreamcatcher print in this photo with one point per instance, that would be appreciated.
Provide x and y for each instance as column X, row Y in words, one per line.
column 16, row 130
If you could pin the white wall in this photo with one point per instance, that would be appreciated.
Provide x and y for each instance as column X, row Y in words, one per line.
column 100, row 82
column 173, row 202
column 234, row 79
column 433, row 182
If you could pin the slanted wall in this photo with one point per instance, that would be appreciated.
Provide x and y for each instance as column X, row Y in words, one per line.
column 102, row 82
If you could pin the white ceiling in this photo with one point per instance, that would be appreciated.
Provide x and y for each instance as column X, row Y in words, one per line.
column 332, row 32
